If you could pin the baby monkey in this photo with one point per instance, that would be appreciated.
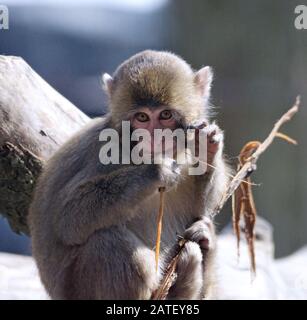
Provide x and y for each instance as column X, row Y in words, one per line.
column 93, row 226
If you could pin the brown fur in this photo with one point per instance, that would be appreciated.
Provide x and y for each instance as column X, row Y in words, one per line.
column 156, row 78
column 93, row 226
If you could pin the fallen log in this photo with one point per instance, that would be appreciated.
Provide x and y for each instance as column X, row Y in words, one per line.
column 35, row 120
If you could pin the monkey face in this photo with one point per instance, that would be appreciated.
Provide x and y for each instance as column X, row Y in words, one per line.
column 157, row 118
column 151, row 119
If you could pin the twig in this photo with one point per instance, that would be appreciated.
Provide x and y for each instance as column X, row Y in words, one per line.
column 159, row 228
column 230, row 175
column 247, row 169
column 250, row 165
column 168, row 280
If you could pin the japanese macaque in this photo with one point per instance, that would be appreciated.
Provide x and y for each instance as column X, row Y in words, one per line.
column 93, row 226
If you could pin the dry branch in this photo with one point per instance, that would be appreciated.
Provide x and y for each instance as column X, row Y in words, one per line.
column 247, row 169
column 159, row 225
column 250, row 166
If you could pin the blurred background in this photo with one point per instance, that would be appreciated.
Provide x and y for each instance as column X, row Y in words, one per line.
column 260, row 64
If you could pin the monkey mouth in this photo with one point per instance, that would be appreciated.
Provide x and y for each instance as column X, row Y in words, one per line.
column 186, row 147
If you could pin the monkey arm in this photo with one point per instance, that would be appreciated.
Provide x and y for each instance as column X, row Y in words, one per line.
column 213, row 184
column 105, row 200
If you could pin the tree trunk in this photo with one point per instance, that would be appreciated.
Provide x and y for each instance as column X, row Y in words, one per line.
column 34, row 121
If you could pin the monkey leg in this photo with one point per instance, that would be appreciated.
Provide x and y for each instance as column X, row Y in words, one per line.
column 112, row 264
column 189, row 281
column 203, row 233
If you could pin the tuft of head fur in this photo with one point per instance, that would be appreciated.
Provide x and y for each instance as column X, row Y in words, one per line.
column 157, row 78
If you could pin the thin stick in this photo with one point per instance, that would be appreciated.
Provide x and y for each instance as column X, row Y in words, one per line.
column 248, row 168
column 250, row 164
column 228, row 174
column 286, row 138
column 162, row 291
column 159, row 225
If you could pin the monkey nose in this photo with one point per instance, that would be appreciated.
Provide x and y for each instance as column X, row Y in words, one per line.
column 152, row 140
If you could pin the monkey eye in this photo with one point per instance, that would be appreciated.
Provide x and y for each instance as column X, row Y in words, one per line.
column 142, row 116
column 166, row 115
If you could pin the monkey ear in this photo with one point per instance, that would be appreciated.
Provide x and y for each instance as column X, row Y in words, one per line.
column 107, row 83
column 203, row 79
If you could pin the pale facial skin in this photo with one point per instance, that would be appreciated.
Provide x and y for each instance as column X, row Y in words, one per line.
column 157, row 118
column 163, row 118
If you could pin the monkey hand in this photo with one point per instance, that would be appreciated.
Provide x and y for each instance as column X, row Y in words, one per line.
column 169, row 173
column 202, row 232
column 194, row 261
column 215, row 142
